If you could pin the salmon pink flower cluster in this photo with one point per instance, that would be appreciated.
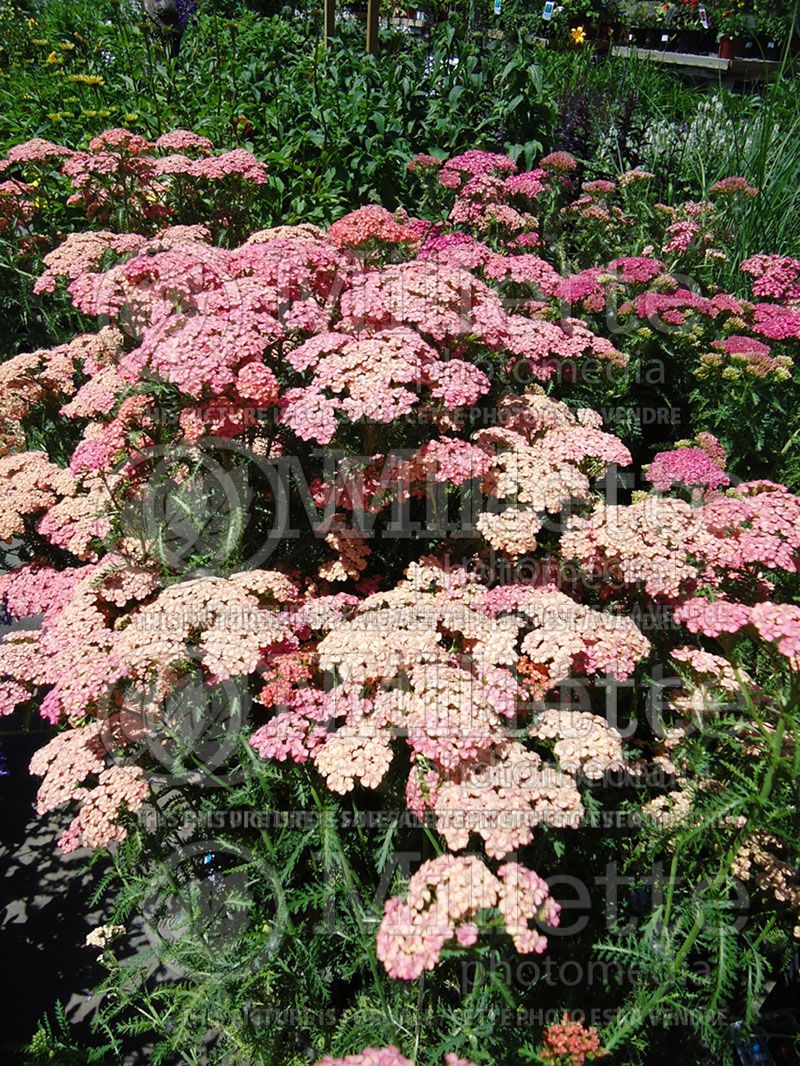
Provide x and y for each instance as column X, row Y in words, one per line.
column 571, row 1043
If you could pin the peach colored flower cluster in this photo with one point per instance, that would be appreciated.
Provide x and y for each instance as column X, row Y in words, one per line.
column 502, row 797
column 584, row 743
column 540, row 457
column 29, row 485
column 761, row 860
column 457, row 711
column 444, row 900
column 372, row 225
column 69, row 763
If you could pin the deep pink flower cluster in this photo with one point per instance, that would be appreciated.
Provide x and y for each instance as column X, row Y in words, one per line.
column 777, row 277
column 685, row 466
column 639, row 269
column 530, row 184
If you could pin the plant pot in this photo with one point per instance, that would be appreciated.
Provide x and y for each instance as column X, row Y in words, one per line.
column 728, row 47
column 664, row 41
column 765, row 48
column 695, row 42
column 748, row 49
column 688, row 41
column 639, row 37
column 773, row 50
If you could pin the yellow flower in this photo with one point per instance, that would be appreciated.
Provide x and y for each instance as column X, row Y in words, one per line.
column 132, row 117
column 66, row 46
column 53, row 58
column 40, row 42
column 578, row 35
column 90, row 114
column 86, row 79
column 31, row 23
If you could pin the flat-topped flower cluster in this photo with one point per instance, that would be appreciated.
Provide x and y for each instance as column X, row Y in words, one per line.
column 381, row 654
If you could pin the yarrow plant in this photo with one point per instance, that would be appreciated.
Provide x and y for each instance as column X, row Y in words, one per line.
column 340, row 493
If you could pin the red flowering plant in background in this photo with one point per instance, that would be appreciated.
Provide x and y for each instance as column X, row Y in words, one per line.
column 345, row 483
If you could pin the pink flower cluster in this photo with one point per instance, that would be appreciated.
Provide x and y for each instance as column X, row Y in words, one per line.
column 733, row 186
column 123, row 172
column 443, row 900
column 777, row 277
column 459, row 168
column 685, row 466
column 387, row 341
column 739, row 355
column 388, row 1056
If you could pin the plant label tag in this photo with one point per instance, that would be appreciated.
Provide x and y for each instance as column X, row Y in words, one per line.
column 703, row 16
column 549, row 8
column 664, row 38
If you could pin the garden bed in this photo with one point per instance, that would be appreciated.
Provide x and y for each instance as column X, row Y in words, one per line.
column 401, row 551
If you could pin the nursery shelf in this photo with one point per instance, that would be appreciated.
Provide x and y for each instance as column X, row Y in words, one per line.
column 707, row 66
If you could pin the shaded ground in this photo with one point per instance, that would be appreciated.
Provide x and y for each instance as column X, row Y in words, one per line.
column 45, row 911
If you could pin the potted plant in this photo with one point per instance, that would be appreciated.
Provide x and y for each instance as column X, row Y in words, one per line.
column 649, row 25
column 773, row 28
column 693, row 33
column 636, row 25
column 660, row 33
column 731, row 23
column 579, row 22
